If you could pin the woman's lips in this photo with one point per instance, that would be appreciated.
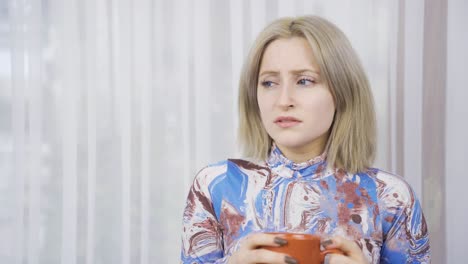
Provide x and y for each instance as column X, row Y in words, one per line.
column 286, row 121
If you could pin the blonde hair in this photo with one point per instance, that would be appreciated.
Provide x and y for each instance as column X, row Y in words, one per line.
column 351, row 143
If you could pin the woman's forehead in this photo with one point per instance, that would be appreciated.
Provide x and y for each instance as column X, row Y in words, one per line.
column 292, row 55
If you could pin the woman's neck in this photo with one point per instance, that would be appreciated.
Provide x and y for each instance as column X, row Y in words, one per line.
column 305, row 152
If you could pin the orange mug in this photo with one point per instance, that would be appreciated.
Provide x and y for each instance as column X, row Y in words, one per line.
column 305, row 248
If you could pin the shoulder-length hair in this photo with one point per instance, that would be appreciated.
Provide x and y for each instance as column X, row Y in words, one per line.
column 351, row 143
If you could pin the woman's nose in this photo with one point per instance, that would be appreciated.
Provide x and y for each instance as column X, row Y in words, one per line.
column 286, row 96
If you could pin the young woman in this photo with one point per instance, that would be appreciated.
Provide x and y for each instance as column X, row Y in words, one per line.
column 307, row 128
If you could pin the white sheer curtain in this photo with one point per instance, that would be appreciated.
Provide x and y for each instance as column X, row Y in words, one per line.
column 109, row 108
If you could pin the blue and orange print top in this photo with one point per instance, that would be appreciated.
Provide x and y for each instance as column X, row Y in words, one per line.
column 234, row 198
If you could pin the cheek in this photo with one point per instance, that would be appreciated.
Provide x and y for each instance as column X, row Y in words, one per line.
column 329, row 107
column 263, row 105
column 323, row 108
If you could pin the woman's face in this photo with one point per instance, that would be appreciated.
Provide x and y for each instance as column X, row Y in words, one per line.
column 296, row 106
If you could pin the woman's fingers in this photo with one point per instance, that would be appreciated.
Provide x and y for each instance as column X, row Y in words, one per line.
column 347, row 246
column 337, row 259
column 252, row 251
column 266, row 256
column 259, row 239
column 352, row 252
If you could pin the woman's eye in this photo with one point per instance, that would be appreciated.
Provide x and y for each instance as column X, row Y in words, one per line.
column 267, row 83
column 305, row 81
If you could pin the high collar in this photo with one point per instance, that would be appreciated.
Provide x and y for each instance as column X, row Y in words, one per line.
column 285, row 167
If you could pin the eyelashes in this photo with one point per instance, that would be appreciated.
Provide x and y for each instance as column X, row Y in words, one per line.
column 267, row 84
column 301, row 81
column 305, row 81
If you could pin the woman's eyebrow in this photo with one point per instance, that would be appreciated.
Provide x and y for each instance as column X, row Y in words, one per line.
column 301, row 71
column 295, row 72
column 268, row 72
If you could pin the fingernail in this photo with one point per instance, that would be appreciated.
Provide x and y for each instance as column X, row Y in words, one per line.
column 326, row 243
column 326, row 260
column 280, row 241
column 290, row 260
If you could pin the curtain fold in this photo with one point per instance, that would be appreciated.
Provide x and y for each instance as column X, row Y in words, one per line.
column 16, row 215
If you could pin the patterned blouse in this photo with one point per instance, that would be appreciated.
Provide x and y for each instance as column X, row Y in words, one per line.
column 234, row 198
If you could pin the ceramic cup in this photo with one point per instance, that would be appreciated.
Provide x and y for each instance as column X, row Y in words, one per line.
column 305, row 248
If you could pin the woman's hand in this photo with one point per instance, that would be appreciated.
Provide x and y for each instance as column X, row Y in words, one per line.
column 250, row 251
column 352, row 253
